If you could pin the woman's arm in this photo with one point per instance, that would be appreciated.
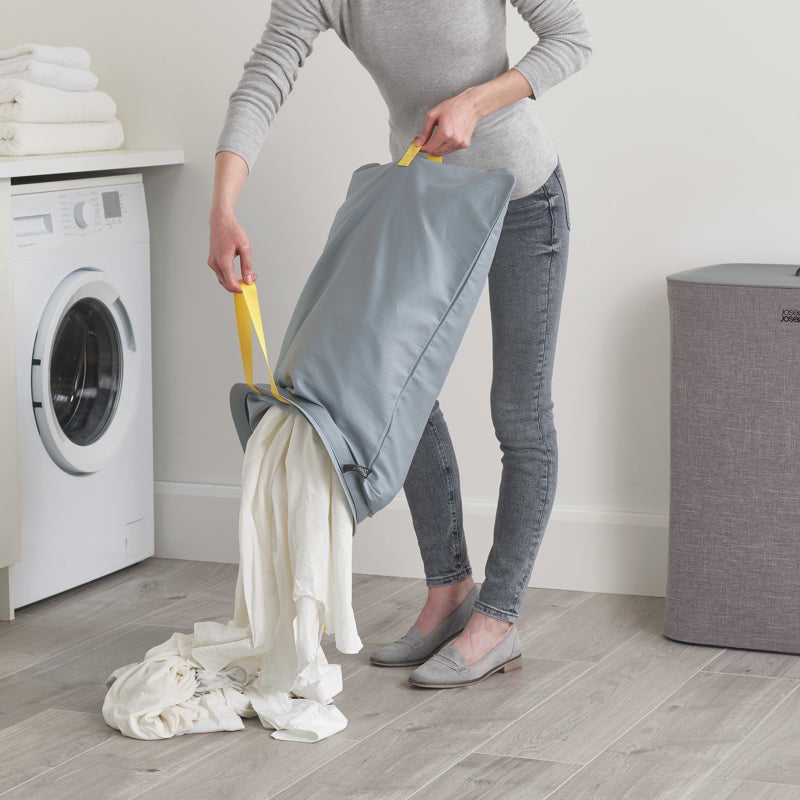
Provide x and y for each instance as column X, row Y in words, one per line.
column 270, row 74
column 455, row 119
column 268, row 78
column 228, row 239
column 564, row 46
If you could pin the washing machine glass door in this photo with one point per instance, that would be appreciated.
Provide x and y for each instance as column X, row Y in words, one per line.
column 83, row 372
column 86, row 371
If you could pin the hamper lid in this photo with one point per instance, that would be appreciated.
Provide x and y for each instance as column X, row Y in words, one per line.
column 762, row 275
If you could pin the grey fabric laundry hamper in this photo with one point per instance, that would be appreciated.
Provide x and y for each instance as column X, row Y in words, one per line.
column 381, row 317
column 734, row 536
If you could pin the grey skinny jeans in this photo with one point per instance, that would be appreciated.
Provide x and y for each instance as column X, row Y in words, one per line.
column 526, row 284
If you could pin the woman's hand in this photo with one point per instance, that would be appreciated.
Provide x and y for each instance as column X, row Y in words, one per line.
column 228, row 238
column 449, row 126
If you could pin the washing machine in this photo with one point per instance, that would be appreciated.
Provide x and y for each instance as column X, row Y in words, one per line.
column 84, row 381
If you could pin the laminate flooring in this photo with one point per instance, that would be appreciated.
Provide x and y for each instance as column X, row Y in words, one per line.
column 604, row 708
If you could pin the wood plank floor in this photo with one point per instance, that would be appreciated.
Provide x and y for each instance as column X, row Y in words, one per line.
column 604, row 708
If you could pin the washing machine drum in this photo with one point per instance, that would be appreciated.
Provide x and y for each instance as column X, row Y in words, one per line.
column 83, row 372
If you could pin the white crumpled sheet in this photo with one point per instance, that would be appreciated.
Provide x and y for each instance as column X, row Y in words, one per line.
column 294, row 581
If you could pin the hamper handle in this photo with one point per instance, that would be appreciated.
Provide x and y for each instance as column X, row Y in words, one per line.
column 247, row 311
column 411, row 152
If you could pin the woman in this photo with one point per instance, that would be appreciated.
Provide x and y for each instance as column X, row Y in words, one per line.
column 443, row 70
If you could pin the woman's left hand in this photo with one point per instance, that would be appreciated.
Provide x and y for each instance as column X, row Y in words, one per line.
column 449, row 126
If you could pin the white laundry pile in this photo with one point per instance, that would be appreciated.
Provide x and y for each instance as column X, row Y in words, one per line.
column 49, row 103
column 294, row 581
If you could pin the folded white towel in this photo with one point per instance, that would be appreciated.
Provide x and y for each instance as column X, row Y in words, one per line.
column 64, row 56
column 42, row 138
column 69, row 78
column 23, row 101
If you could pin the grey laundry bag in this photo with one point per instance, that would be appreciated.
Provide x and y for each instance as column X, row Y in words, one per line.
column 379, row 321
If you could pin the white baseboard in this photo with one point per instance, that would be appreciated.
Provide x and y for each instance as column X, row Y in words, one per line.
column 196, row 521
column 583, row 550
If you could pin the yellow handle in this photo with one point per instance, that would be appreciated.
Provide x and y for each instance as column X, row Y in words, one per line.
column 411, row 152
column 247, row 309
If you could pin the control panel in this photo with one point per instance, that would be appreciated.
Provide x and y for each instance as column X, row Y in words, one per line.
column 95, row 212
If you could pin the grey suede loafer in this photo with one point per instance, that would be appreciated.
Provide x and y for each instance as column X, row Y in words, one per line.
column 448, row 668
column 414, row 648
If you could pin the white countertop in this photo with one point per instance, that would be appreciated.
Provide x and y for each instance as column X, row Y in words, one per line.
column 95, row 161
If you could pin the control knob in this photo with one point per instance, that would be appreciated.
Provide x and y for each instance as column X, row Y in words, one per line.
column 85, row 214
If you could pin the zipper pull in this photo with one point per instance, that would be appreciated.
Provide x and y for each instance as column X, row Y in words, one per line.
column 362, row 471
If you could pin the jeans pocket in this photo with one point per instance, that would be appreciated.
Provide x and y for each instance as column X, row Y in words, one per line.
column 559, row 175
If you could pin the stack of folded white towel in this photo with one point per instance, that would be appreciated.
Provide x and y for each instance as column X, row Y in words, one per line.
column 49, row 103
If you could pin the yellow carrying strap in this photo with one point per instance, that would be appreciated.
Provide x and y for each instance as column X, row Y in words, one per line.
column 246, row 305
column 411, row 152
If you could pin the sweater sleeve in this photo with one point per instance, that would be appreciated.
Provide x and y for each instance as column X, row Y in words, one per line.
column 564, row 46
column 270, row 74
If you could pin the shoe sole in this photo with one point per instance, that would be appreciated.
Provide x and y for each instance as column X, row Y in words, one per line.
column 509, row 666
column 418, row 662
column 397, row 663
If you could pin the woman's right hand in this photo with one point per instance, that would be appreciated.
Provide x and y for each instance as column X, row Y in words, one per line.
column 228, row 238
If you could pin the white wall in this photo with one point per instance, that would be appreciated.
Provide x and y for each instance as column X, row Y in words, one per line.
column 679, row 143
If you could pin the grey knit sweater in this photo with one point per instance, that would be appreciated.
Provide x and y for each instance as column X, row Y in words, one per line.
column 420, row 52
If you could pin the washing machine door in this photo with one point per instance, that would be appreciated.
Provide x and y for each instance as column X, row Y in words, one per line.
column 84, row 372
